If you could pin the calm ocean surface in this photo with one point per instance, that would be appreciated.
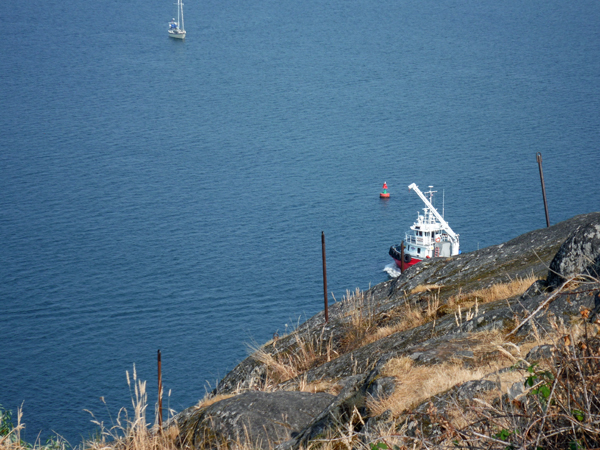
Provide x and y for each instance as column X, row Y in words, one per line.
column 157, row 194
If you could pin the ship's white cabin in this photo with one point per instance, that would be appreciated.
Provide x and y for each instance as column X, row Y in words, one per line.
column 429, row 236
column 427, row 239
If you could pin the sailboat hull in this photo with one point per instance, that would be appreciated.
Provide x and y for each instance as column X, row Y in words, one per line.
column 177, row 35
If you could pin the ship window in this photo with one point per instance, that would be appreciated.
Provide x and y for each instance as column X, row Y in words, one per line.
column 418, row 250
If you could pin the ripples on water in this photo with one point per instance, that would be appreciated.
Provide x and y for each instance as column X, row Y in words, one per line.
column 162, row 194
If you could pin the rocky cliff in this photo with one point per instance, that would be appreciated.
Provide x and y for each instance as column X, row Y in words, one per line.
column 408, row 354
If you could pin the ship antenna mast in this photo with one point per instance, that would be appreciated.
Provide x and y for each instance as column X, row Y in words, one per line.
column 431, row 191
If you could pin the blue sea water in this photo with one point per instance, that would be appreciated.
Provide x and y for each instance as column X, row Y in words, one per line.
column 158, row 194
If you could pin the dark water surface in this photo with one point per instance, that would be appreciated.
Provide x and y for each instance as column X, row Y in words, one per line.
column 165, row 194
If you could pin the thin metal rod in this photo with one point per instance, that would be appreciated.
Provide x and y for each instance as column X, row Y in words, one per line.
column 324, row 277
column 539, row 161
column 160, row 391
column 402, row 257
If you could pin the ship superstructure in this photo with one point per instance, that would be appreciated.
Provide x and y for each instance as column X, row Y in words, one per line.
column 428, row 237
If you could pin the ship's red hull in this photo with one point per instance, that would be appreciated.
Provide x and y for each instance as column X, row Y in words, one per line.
column 406, row 265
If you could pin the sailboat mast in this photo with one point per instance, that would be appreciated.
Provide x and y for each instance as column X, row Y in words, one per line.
column 181, row 10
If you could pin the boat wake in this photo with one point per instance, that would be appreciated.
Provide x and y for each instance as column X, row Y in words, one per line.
column 392, row 270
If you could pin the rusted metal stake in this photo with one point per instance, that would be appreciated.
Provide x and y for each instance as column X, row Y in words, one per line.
column 402, row 257
column 539, row 160
column 160, row 392
column 324, row 277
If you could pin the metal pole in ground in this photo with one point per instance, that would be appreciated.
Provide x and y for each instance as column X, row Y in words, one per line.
column 324, row 276
column 402, row 257
column 160, row 390
column 539, row 160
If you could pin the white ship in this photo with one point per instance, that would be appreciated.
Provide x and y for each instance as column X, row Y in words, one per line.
column 430, row 236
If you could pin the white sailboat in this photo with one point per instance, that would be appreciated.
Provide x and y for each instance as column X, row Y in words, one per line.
column 175, row 30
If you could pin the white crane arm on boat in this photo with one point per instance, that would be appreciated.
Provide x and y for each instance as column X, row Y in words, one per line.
column 437, row 215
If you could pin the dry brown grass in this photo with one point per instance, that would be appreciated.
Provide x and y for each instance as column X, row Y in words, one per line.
column 421, row 382
column 329, row 386
column 416, row 383
column 210, row 399
column 359, row 320
column 133, row 432
column 464, row 306
column 426, row 288
column 306, row 353
column 411, row 317
column 294, row 360
column 359, row 307
column 500, row 291
column 361, row 327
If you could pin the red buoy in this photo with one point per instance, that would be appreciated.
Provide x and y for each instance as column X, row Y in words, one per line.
column 385, row 193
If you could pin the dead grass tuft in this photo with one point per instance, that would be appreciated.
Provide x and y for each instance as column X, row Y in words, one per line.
column 464, row 306
column 329, row 386
column 499, row 291
column 426, row 288
column 210, row 399
column 133, row 432
column 361, row 323
column 411, row 316
column 294, row 360
column 416, row 383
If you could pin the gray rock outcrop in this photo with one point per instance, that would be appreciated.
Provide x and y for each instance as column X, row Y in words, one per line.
column 578, row 255
column 262, row 419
